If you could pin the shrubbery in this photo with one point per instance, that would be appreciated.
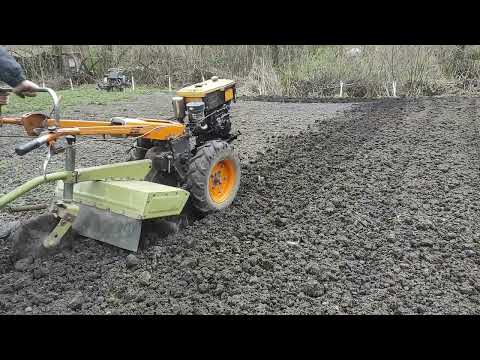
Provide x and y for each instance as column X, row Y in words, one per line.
column 290, row 70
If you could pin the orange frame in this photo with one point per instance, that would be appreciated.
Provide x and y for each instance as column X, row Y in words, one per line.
column 153, row 129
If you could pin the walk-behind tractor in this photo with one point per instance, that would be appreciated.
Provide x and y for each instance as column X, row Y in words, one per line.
column 115, row 78
column 183, row 164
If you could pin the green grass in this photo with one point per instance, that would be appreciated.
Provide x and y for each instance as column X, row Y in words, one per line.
column 82, row 95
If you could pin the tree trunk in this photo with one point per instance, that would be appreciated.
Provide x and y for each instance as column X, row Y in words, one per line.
column 107, row 57
column 275, row 52
column 57, row 51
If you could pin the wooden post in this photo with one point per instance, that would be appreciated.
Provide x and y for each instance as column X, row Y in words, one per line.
column 341, row 88
column 71, row 84
column 394, row 88
column 133, row 84
column 169, row 83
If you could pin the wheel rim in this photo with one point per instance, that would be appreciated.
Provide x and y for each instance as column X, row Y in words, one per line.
column 222, row 180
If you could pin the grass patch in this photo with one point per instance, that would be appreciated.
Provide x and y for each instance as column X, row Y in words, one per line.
column 82, row 95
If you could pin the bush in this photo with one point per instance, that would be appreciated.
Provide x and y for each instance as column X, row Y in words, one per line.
column 290, row 70
column 261, row 80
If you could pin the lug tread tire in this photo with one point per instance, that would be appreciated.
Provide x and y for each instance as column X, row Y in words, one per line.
column 199, row 171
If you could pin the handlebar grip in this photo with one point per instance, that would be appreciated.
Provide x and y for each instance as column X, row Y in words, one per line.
column 23, row 149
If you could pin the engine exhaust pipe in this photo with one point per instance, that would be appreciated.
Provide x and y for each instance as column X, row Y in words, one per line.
column 178, row 108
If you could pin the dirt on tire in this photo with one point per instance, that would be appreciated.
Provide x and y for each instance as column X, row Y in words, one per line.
column 371, row 211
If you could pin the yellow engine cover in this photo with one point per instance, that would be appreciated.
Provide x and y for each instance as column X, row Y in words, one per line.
column 200, row 90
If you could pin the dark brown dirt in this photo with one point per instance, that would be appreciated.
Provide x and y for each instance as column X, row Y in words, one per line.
column 374, row 210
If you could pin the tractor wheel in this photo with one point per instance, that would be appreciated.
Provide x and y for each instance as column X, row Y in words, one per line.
column 27, row 239
column 213, row 177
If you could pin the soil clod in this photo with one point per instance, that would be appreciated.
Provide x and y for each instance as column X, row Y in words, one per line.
column 132, row 261
column 23, row 264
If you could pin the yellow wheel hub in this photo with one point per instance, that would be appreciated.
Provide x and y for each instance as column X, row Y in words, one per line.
column 222, row 180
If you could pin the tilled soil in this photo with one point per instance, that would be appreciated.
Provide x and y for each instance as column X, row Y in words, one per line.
column 371, row 211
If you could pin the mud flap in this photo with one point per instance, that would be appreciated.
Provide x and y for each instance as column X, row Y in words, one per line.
column 114, row 229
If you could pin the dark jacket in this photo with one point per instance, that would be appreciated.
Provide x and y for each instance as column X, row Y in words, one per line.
column 10, row 71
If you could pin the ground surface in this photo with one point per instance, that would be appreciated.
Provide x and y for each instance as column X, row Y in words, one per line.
column 80, row 95
column 371, row 209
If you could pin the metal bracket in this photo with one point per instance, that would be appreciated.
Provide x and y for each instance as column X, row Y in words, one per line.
column 66, row 211
column 54, row 238
column 67, row 214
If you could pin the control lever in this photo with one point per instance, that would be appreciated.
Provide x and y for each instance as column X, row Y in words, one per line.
column 47, row 160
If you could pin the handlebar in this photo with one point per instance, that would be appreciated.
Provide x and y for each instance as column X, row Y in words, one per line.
column 53, row 94
column 23, row 149
column 56, row 103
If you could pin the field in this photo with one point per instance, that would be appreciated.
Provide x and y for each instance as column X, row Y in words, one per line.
column 80, row 95
column 366, row 208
